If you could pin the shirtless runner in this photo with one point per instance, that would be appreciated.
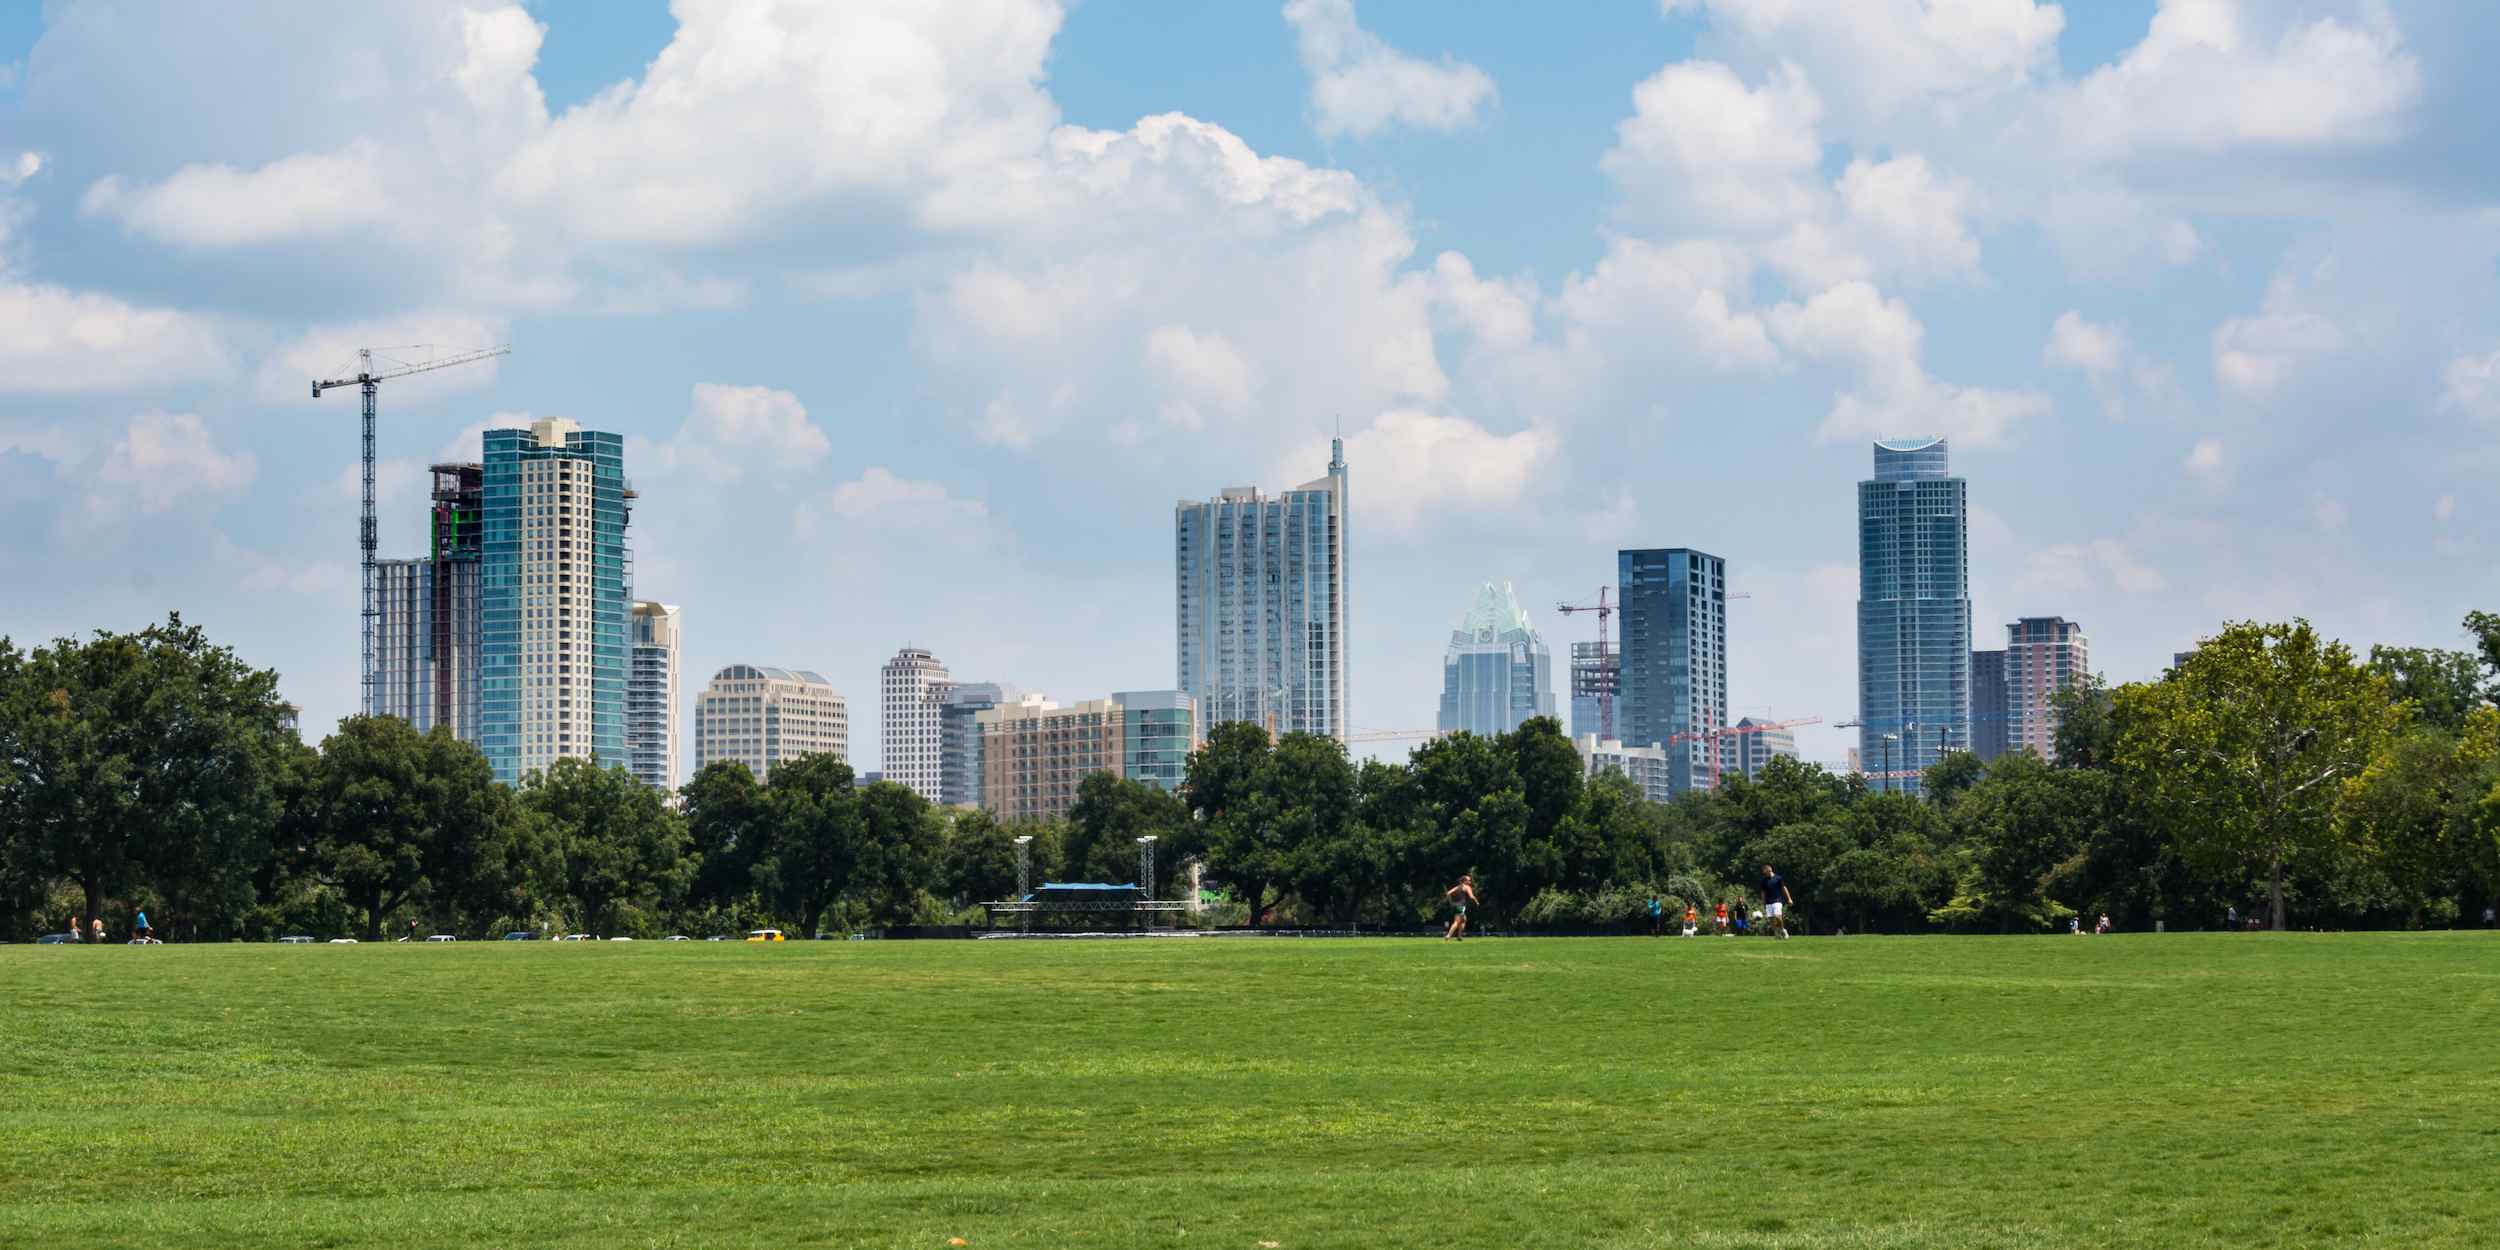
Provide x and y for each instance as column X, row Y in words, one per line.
column 1460, row 896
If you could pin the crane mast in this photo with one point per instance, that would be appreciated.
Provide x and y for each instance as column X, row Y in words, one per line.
column 368, row 533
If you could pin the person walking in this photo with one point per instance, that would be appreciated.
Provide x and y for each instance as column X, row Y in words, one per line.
column 1460, row 896
column 95, row 930
column 139, row 926
column 1776, row 900
column 1657, row 917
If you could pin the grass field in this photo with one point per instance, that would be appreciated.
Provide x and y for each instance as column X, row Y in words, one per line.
column 1863, row 1092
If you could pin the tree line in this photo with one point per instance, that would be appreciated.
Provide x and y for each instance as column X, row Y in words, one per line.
column 2271, row 773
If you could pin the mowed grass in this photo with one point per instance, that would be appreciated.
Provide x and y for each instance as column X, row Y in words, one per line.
column 2152, row 1091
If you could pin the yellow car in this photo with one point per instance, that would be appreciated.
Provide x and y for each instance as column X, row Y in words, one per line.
column 765, row 935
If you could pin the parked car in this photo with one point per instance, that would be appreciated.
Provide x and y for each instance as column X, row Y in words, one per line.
column 765, row 935
column 442, row 937
column 620, row 939
column 577, row 937
column 677, row 937
column 55, row 939
column 342, row 941
column 521, row 935
column 297, row 939
column 716, row 939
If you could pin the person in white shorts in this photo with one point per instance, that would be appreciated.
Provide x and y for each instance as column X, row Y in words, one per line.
column 1775, row 900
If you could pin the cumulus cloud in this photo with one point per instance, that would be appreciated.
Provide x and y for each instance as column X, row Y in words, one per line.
column 1361, row 86
column 729, row 430
column 1908, row 213
column 2471, row 385
column 263, row 574
column 2070, row 569
column 879, row 501
column 2253, row 355
column 162, row 457
column 1201, row 374
column 2075, row 343
column 55, row 340
column 2212, row 74
column 1703, row 149
column 1416, row 463
column 1887, row 55
column 2205, row 459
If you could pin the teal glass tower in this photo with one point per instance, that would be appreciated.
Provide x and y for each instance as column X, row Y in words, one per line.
column 1914, row 611
column 1673, row 677
column 556, row 598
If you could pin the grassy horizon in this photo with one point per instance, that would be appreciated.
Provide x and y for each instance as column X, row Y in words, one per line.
column 2190, row 1089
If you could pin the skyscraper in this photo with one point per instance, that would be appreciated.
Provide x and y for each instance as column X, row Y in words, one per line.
column 1035, row 756
column 910, row 688
column 1497, row 671
column 2044, row 655
column 1751, row 752
column 651, row 705
column 1593, row 679
column 764, row 717
column 1991, row 713
column 1261, row 613
column 1914, row 614
column 426, row 631
column 1674, row 677
column 556, row 586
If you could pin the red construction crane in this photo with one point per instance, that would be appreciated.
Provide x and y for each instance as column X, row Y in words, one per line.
column 1604, row 681
column 1716, row 738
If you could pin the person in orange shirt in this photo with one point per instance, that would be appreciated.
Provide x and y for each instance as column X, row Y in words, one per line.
column 1692, row 920
column 1722, row 918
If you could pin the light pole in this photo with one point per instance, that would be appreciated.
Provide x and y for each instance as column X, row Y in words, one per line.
column 1024, row 881
column 1146, row 875
column 1889, row 739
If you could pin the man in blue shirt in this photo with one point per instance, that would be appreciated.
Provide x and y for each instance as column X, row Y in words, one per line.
column 142, row 925
column 1776, row 900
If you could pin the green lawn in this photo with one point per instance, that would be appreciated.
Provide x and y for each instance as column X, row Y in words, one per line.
column 2239, row 1090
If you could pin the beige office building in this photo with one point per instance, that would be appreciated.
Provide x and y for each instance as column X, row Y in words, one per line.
column 762, row 717
column 1034, row 755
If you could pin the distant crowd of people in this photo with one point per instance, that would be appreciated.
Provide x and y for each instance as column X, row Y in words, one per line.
column 92, row 932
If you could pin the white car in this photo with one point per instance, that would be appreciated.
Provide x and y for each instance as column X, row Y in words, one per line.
column 577, row 937
column 677, row 937
column 620, row 939
column 295, row 939
column 442, row 937
column 342, row 941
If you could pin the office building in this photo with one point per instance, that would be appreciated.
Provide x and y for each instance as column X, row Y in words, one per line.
column 1648, row 767
column 556, row 589
column 1035, row 756
column 1755, row 744
column 1261, row 587
column 763, row 717
column 426, row 630
column 1674, row 662
column 651, row 704
column 1595, row 681
column 1914, row 612
column 1991, row 714
column 959, row 735
column 2044, row 656
column 1496, row 672
column 910, row 689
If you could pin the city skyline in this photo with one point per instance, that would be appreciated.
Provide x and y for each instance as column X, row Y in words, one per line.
column 939, row 385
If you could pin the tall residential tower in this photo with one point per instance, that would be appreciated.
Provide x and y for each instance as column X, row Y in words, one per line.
column 911, row 690
column 555, row 592
column 2044, row 655
column 1261, row 604
column 1674, row 675
column 1914, row 613
column 1497, row 671
column 651, row 704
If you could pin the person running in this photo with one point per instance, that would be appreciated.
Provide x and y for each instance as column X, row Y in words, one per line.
column 1460, row 896
column 1722, row 918
column 1776, row 900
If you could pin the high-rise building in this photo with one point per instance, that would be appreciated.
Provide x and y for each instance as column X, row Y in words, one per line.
column 1674, row 677
column 1594, row 680
column 910, row 735
column 1261, row 612
column 1914, row 613
column 2044, row 656
column 762, row 717
column 959, row 735
column 1035, row 756
column 556, row 589
column 426, row 631
column 1991, row 714
column 1497, row 671
column 1648, row 767
column 651, row 704
column 1751, row 751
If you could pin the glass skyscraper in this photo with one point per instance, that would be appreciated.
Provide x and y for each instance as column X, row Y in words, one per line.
column 426, row 632
column 1991, row 711
column 1673, row 690
column 1497, row 671
column 1261, row 604
column 1914, row 610
column 555, row 592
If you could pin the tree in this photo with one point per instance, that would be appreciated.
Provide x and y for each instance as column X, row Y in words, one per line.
column 614, row 844
column 2085, row 734
column 2442, row 686
column 728, row 829
column 811, row 854
column 1111, row 812
column 2242, row 750
column 2485, row 626
column 1226, row 788
column 2025, row 826
column 898, row 851
column 391, row 813
column 1947, row 778
column 2414, row 812
column 137, row 758
column 1475, row 819
column 978, row 863
column 1551, row 776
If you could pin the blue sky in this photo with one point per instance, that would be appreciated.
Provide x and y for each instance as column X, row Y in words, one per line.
column 921, row 316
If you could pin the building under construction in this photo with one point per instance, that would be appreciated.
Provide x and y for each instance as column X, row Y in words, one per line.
column 426, row 644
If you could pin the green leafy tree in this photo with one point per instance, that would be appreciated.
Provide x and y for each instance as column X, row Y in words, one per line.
column 1551, row 776
column 2026, row 826
column 811, row 856
column 391, row 814
column 1307, row 796
column 2443, row 687
column 1227, row 789
column 2085, row 733
column 900, row 842
column 979, row 861
column 1111, row 812
column 1475, row 818
column 2485, row 626
column 2243, row 749
column 612, row 842
column 728, row 830
column 153, row 757
column 2414, row 813
column 1948, row 778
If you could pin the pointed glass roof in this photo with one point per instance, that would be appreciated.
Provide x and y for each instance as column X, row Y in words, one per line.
column 1495, row 612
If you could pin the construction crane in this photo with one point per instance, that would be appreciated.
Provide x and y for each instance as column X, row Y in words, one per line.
column 370, row 383
column 1392, row 735
column 1716, row 738
column 1604, row 680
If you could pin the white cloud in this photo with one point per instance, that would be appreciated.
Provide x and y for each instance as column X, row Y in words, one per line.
column 1201, row 374
column 221, row 206
column 1909, row 216
column 393, row 480
column 1702, row 149
column 880, row 502
column 1501, row 315
column 2254, row 354
column 469, row 446
column 2075, row 343
column 1416, row 463
column 1885, row 55
column 1854, row 323
column 2472, row 387
column 2214, row 74
column 2074, row 569
column 20, row 169
column 262, row 574
column 1648, row 299
column 55, row 340
column 730, row 429
column 1361, row 86
column 162, row 457
column 2205, row 459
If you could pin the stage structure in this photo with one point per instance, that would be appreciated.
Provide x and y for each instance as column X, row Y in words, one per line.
column 1097, row 901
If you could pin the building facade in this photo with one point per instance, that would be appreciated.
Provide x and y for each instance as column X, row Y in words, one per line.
column 427, row 624
column 1497, row 671
column 2044, row 656
column 651, row 696
column 1035, row 756
column 555, row 593
column 910, row 744
column 1991, row 713
column 1595, row 680
column 1674, row 659
column 959, row 735
column 1648, row 767
column 1914, row 611
column 1756, row 744
column 1261, row 587
column 763, row 717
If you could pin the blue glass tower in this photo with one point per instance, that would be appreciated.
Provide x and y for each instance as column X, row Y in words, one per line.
column 556, row 597
column 1914, row 611
column 1673, row 679
column 1497, row 671
column 1260, row 604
